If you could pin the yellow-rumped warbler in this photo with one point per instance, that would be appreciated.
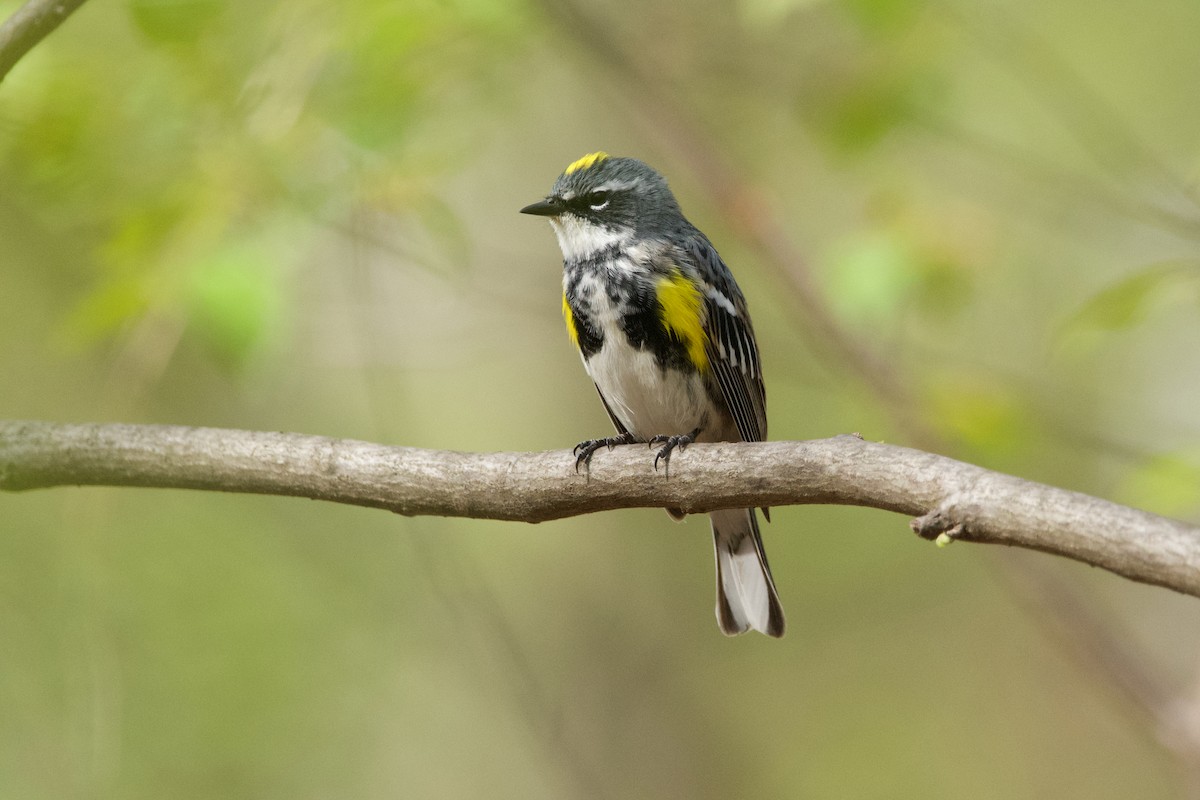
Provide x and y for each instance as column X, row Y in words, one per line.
column 665, row 334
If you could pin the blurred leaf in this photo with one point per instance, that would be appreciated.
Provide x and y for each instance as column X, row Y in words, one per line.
column 369, row 88
column 1166, row 484
column 140, row 233
column 884, row 16
column 945, row 286
column 234, row 300
column 175, row 21
column 981, row 414
column 862, row 114
column 52, row 138
column 861, row 102
column 353, row 96
column 871, row 276
column 104, row 311
column 1127, row 302
column 763, row 13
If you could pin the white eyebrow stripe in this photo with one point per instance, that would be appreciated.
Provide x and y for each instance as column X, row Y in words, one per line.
column 614, row 186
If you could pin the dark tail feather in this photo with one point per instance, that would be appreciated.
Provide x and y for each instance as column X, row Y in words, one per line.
column 746, row 596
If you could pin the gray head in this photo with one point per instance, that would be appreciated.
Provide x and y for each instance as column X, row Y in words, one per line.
column 600, row 200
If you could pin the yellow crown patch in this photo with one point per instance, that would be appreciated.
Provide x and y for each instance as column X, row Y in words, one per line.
column 585, row 162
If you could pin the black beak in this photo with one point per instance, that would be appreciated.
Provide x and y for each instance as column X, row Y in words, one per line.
column 550, row 207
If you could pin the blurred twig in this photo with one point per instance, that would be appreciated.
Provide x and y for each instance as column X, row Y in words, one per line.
column 466, row 591
column 1052, row 177
column 1090, row 119
column 950, row 499
column 28, row 25
column 1171, row 717
column 452, row 573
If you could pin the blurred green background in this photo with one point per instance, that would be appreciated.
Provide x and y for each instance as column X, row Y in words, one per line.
column 967, row 227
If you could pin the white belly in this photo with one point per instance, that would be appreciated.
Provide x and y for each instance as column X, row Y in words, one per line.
column 648, row 400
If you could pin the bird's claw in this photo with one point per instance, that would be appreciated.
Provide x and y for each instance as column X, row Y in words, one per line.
column 584, row 450
column 669, row 443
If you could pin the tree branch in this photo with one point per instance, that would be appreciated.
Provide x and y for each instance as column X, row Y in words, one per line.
column 28, row 25
column 947, row 497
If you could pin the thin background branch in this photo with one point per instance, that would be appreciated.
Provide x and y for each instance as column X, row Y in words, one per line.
column 28, row 25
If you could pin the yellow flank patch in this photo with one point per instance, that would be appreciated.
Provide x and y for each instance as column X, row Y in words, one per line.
column 682, row 305
column 585, row 162
column 572, row 331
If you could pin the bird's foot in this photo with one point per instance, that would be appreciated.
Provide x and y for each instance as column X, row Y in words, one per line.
column 669, row 443
column 584, row 450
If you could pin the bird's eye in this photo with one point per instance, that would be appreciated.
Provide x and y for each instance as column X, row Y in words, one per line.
column 597, row 201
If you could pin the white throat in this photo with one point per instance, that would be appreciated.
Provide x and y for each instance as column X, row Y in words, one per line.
column 580, row 239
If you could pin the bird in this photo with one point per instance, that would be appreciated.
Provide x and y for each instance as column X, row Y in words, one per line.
column 665, row 334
